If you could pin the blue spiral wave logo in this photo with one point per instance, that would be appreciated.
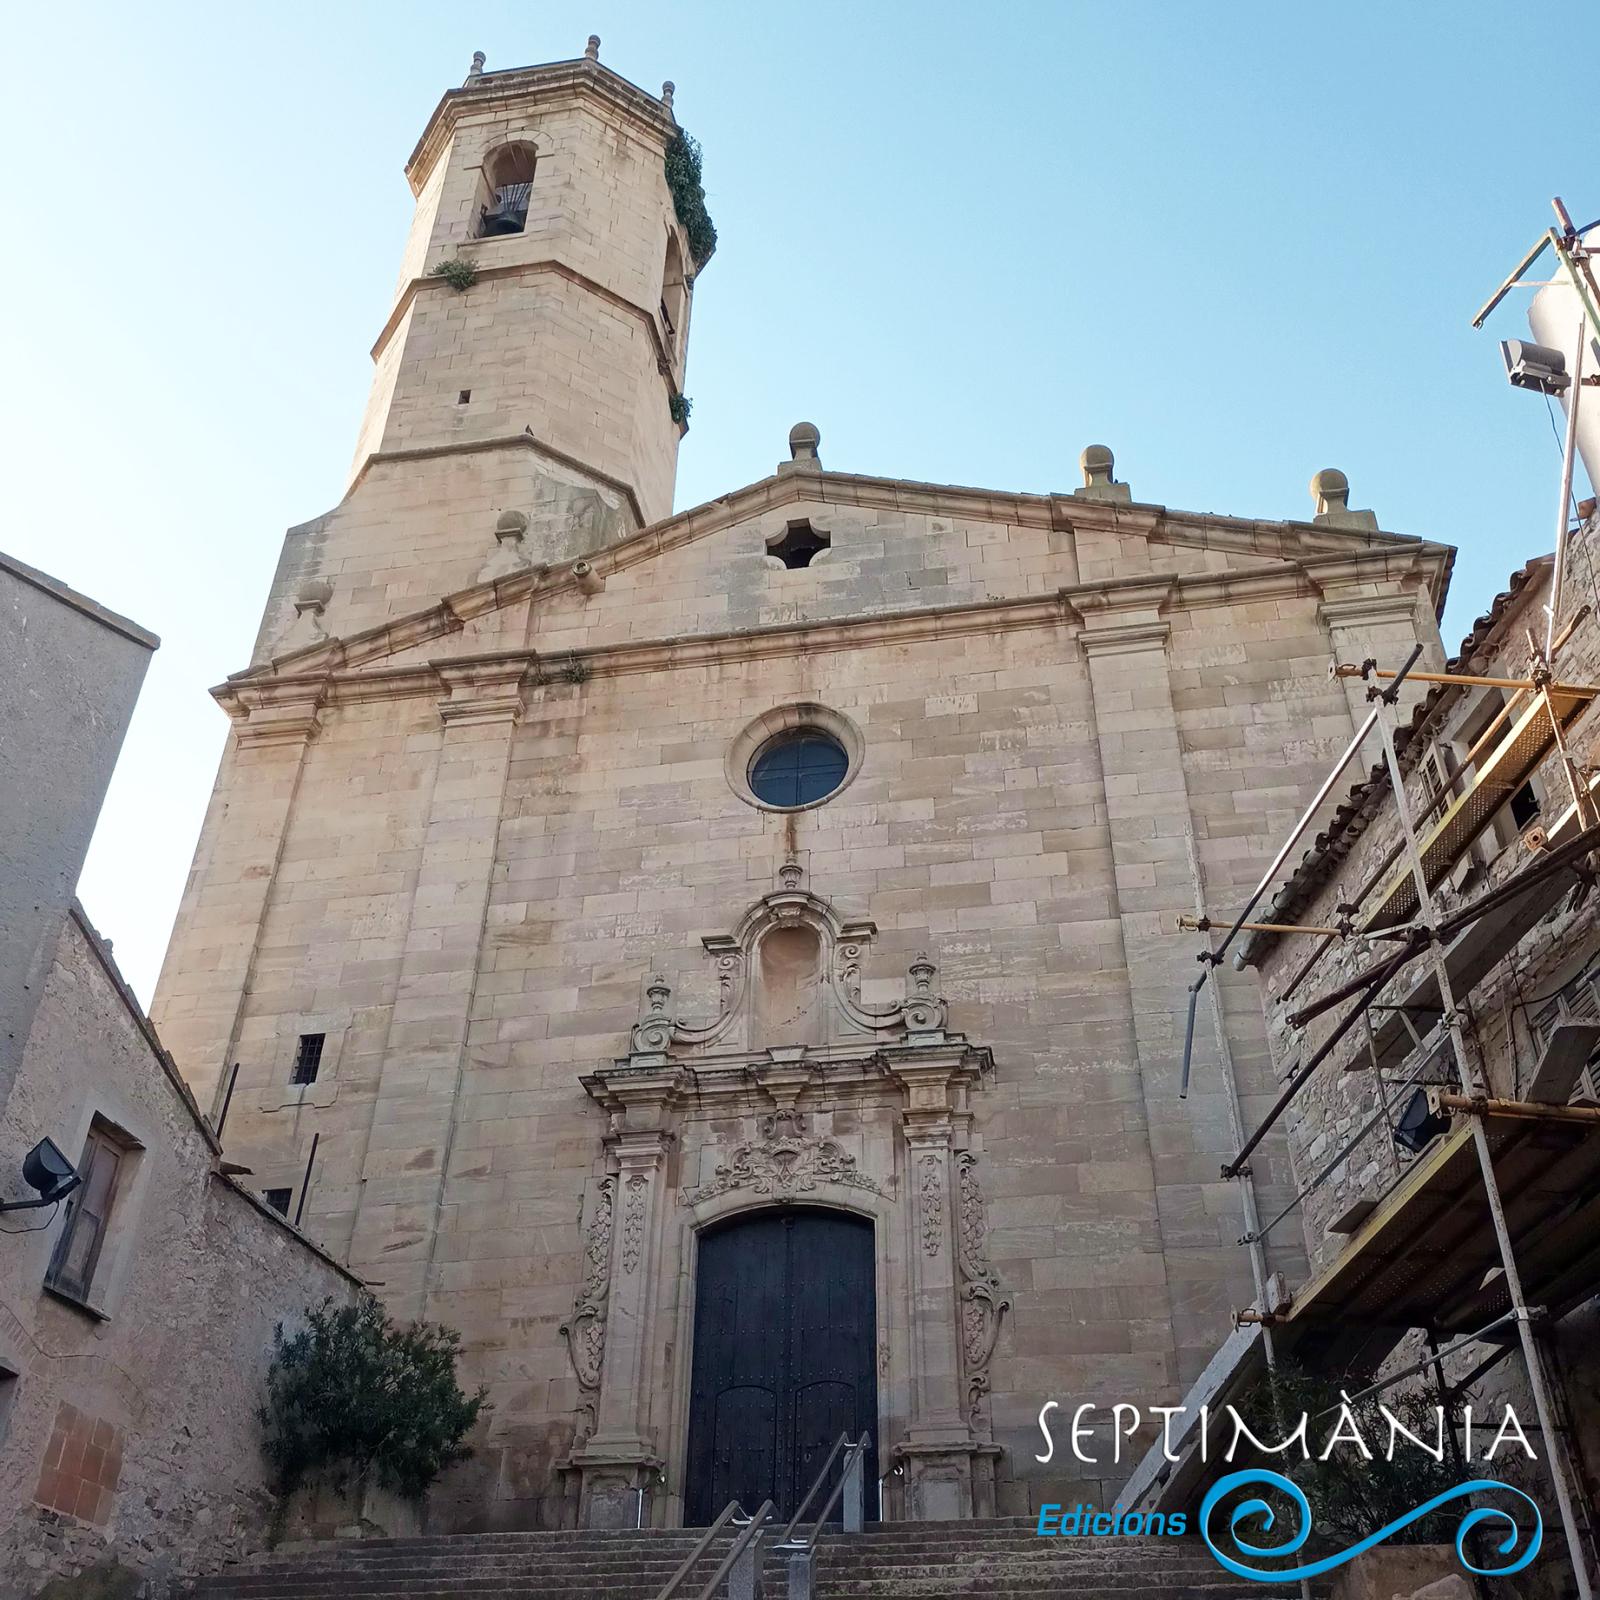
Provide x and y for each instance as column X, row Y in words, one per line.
column 1248, row 1509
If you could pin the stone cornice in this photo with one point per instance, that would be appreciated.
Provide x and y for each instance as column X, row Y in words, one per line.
column 1365, row 609
column 476, row 693
column 277, row 711
column 526, row 440
column 1339, row 556
column 498, row 93
column 1128, row 638
column 336, row 666
column 521, row 269
column 1121, row 601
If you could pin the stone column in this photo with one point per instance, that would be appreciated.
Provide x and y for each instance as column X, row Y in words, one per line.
column 211, row 963
column 413, row 1120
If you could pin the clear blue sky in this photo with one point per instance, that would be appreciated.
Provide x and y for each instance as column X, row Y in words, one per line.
column 1235, row 242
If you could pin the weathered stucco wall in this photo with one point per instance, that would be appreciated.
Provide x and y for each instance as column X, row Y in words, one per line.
column 69, row 675
column 129, row 1431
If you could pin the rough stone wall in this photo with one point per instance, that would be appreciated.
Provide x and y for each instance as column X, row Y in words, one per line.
column 131, row 1436
column 465, row 883
column 1336, row 1102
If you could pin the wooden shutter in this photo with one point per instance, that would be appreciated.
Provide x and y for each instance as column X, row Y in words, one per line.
column 88, row 1213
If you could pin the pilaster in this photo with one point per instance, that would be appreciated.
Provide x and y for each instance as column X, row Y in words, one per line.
column 212, row 960
column 619, row 1458
column 947, row 1463
column 1363, row 624
column 414, row 1118
column 1125, row 640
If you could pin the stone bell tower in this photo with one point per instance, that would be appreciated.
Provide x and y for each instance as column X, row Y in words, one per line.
column 531, row 365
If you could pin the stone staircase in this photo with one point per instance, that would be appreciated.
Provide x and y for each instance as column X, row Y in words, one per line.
column 1003, row 1559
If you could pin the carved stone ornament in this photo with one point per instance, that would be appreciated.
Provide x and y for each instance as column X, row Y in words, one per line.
column 918, row 1019
column 633, row 1222
column 786, row 1162
column 585, row 1330
column 982, row 1303
column 930, row 1193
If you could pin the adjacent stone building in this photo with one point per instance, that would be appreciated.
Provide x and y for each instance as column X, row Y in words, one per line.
column 1395, row 1223
column 727, row 959
column 137, row 1314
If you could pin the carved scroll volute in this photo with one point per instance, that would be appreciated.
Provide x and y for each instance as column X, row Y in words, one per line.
column 585, row 1330
column 652, row 1033
column 982, row 1303
column 847, row 970
column 924, row 1009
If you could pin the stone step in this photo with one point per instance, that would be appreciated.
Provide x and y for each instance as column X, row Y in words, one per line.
column 1001, row 1559
column 935, row 1585
column 1020, row 1568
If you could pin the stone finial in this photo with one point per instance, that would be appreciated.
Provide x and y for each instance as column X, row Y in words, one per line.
column 657, row 991
column 310, row 601
column 804, row 440
column 478, row 59
column 1330, row 494
column 1099, row 482
column 1330, row 489
column 668, row 89
column 507, row 557
column 313, row 596
column 591, row 51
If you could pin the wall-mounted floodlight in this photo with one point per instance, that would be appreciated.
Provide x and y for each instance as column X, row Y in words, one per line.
column 1535, row 366
column 1419, row 1124
column 46, row 1170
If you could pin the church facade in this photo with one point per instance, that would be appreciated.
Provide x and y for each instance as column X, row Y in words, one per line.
column 726, row 962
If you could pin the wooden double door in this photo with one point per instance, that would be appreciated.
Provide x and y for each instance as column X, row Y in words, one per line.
column 785, row 1342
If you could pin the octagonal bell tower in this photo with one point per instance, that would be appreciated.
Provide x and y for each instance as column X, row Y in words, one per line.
column 532, row 360
column 548, row 184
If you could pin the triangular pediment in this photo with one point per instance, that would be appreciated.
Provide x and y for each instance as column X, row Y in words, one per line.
column 883, row 549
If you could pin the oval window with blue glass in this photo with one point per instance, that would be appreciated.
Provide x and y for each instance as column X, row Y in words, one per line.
column 798, row 768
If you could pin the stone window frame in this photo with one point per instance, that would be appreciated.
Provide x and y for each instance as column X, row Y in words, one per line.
column 793, row 525
column 675, row 292
column 281, row 1092
column 519, row 147
column 10, row 1390
column 760, row 731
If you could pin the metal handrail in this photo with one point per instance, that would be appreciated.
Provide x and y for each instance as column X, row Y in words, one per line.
column 752, row 1530
column 732, row 1508
column 850, row 1447
column 828, row 1509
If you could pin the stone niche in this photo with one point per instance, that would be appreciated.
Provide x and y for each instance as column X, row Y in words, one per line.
column 795, row 1092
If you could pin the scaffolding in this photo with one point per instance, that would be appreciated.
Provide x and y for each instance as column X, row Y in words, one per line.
column 1495, row 1230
